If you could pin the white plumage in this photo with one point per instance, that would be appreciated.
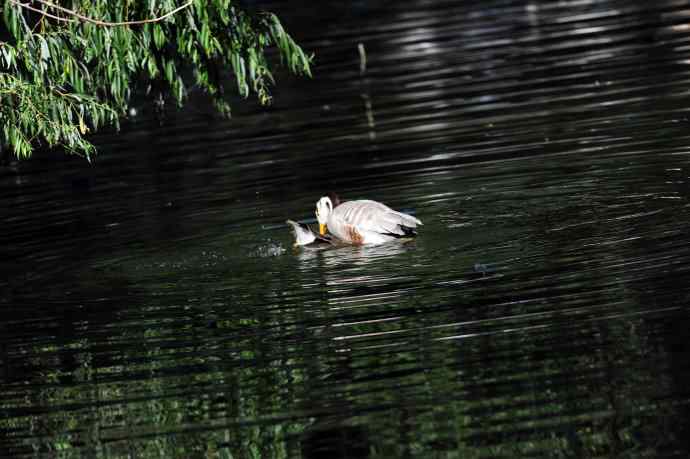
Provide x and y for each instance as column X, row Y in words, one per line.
column 305, row 237
column 363, row 221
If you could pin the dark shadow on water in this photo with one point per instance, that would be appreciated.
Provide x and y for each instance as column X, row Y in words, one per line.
column 340, row 442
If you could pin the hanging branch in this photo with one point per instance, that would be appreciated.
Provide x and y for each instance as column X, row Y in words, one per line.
column 40, row 11
column 76, row 16
column 69, row 75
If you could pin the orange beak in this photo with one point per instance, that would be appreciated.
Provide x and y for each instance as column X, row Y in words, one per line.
column 322, row 229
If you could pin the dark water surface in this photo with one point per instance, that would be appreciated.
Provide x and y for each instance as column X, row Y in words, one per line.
column 152, row 305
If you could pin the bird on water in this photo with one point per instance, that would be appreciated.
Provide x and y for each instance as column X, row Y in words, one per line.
column 363, row 221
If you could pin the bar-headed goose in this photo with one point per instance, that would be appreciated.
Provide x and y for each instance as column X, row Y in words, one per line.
column 305, row 237
column 363, row 221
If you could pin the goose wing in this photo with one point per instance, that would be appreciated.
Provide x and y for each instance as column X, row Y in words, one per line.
column 373, row 216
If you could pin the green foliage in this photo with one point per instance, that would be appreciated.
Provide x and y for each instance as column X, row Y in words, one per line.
column 72, row 68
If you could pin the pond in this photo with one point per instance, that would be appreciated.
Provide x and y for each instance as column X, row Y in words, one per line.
column 152, row 304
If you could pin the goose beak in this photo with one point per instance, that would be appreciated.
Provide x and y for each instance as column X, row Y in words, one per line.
column 322, row 229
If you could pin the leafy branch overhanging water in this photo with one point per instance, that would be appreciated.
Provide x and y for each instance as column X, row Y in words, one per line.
column 68, row 69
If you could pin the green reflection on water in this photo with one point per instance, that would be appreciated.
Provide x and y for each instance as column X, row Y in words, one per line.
column 208, row 377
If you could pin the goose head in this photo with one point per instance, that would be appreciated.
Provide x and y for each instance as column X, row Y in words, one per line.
column 303, row 235
column 324, row 207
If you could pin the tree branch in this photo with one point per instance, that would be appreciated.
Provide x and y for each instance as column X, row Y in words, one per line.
column 77, row 16
column 44, row 13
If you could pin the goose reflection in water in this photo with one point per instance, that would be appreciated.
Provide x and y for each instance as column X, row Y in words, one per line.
column 337, row 254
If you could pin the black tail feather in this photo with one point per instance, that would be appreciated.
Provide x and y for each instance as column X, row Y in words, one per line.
column 407, row 232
